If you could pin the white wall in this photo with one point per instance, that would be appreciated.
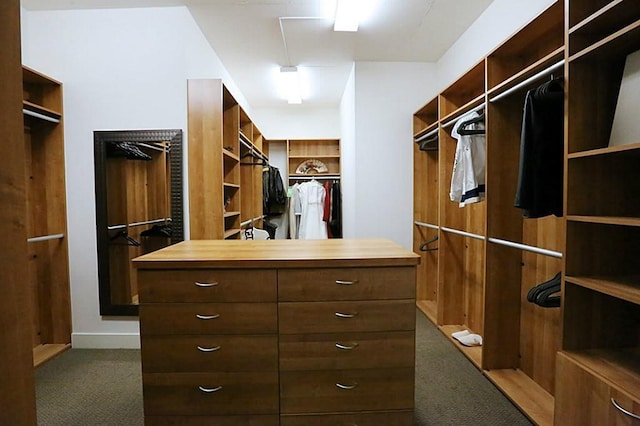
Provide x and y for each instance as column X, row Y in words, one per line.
column 121, row 69
column 295, row 122
column 348, row 156
column 499, row 21
column 386, row 96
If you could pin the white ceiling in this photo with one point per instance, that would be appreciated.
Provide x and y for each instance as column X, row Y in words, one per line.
column 253, row 38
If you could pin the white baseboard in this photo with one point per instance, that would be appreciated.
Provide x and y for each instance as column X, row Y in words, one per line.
column 105, row 341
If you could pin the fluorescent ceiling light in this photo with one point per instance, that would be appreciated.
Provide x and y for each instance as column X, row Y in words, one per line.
column 290, row 79
column 347, row 15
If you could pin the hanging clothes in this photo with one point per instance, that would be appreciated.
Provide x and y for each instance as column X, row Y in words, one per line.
column 326, row 214
column 539, row 190
column 274, row 198
column 295, row 210
column 312, row 195
column 468, row 177
column 335, row 219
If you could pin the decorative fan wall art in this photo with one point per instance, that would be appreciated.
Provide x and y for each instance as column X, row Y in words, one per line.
column 311, row 166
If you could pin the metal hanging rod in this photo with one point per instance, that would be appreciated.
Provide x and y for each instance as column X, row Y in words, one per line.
column 40, row 116
column 526, row 247
column 426, row 225
column 247, row 222
column 252, row 148
column 545, row 72
column 427, row 135
column 45, row 238
column 463, row 233
column 475, row 109
column 157, row 148
column 318, row 177
column 146, row 222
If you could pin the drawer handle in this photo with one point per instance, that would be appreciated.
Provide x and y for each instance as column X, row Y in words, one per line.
column 210, row 390
column 347, row 387
column 341, row 315
column 347, row 347
column 207, row 317
column 213, row 349
column 341, row 282
column 213, row 284
column 628, row 413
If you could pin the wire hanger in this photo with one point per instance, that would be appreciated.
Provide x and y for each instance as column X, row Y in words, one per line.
column 423, row 246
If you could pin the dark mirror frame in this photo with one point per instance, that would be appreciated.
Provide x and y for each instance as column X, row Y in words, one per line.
column 101, row 140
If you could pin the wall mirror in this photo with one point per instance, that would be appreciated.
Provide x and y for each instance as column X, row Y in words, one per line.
column 138, row 183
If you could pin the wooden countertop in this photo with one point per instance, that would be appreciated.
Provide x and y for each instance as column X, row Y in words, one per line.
column 278, row 254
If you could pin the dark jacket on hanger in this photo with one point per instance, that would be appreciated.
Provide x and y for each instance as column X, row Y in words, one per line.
column 539, row 191
column 274, row 196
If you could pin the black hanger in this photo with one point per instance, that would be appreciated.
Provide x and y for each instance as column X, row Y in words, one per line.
column 542, row 294
column 429, row 144
column 128, row 150
column 462, row 128
column 130, row 240
column 423, row 246
column 157, row 231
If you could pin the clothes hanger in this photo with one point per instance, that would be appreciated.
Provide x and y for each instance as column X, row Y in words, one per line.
column 462, row 129
column 542, row 294
column 423, row 246
column 130, row 240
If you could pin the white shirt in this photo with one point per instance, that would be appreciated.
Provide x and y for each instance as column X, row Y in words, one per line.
column 468, row 178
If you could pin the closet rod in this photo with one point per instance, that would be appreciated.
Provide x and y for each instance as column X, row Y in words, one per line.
column 427, row 225
column 40, row 116
column 463, row 233
column 427, row 135
column 157, row 148
column 45, row 238
column 525, row 247
column 529, row 80
column 247, row 222
column 291, row 177
column 453, row 120
column 250, row 146
column 146, row 222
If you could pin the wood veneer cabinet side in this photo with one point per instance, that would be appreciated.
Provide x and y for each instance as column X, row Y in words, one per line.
column 17, row 393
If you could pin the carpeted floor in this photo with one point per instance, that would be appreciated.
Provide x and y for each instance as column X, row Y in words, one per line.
column 94, row 387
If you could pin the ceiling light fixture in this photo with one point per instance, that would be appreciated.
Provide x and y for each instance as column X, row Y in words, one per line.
column 290, row 79
column 347, row 15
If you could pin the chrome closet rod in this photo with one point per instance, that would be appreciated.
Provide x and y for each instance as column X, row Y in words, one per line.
column 252, row 148
column 529, row 80
column 40, row 116
column 526, row 247
column 246, row 222
column 427, row 225
column 475, row 109
column 146, row 222
column 427, row 135
column 463, row 233
column 319, row 177
column 45, row 238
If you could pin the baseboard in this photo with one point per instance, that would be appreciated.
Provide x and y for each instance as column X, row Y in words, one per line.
column 105, row 341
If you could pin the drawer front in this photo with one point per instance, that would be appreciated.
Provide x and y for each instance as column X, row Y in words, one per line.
column 311, row 285
column 246, row 420
column 347, row 351
column 343, row 317
column 207, row 353
column 392, row 418
column 346, row 390
column 207, row 285
column 194, row 394
column 208, row 318
column 583, row 399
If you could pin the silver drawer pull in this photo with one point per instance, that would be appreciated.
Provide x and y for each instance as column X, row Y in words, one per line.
column 207, row 317
column 341, row 315
column 212, row 349
column 341, row 282
column 210, row 390
column 347, row 387
column 213, row 284
column 628, row 413
column 347, row 347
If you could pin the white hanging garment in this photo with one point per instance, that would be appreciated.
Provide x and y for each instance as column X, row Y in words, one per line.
column 312, row 227
column 467, row 180
column 295, row 210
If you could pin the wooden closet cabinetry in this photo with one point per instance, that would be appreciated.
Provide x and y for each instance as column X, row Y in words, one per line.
column 251, row 333
column 601, row 314
column 48, row 280
column 225, row 162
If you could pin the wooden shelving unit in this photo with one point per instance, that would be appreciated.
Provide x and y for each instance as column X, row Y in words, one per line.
column 49, row 303
column 225, row 162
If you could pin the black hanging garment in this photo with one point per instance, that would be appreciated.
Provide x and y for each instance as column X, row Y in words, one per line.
column 274, row 197
column 335, row 219
column 539, row 191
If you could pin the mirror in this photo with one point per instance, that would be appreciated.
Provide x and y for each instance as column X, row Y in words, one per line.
column 138, row 183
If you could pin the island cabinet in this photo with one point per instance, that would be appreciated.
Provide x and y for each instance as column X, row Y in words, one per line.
column 278, row 332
